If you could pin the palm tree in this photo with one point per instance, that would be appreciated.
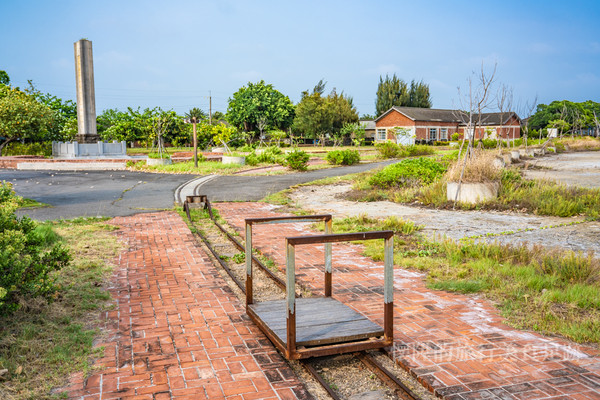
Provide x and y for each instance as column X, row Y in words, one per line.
column 195, row 115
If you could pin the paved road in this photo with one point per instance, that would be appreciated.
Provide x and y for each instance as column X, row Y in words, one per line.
column 253, row 188
column 122, row 193
column 94, row 193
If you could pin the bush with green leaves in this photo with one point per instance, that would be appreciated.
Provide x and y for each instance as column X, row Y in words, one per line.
column 29, row 149
column 29, row 256
column 343, row 157
column 409, row 172
column 414, row 150
column 269, row 155
column 388, row 150
column 297, row 160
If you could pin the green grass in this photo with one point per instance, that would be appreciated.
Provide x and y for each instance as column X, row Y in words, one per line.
column 30, row 203
column 41, row 344
column 204, row 168
column 279, row 198
column 556, row 292
column 549, row 291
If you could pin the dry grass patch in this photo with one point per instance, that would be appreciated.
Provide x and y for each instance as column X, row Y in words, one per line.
column 481, row 167
column 580, row 144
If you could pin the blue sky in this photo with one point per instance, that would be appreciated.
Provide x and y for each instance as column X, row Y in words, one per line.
column 171, row 54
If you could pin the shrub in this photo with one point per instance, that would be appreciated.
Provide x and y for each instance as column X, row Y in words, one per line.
column 297, row 160
column 343, row 157
column 252, row 159
column 489, row 143
column 411, row 172
column 246, row 148
column 480, row 167
column 455, row 137
column 28, row 256
column 419, row 150
column 29, row 149
column 388, row 150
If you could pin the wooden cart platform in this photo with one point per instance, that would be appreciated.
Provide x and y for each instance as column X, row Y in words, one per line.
column 313, row 327
column 319, row 321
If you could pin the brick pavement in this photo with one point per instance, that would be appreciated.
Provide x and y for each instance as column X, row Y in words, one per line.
column 177, row 331
column 456, row 345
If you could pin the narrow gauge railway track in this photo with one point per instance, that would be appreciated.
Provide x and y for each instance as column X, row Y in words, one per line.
column 364, row 360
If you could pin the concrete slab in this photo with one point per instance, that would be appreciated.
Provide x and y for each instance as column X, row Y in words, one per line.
column 71, row 166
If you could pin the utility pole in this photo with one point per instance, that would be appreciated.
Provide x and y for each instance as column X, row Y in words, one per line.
column 194, row 121
column 209, row 108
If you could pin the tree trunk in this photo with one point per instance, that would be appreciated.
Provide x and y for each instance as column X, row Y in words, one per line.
column 3, row 145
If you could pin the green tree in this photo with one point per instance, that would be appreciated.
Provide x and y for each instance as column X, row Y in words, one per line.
column 577, row 115
column 195, row 115
column 22, row 117
column 317, row 116
column 4, row 78
column 395, row 92
column 419, row 95
column 259, row 103
column 65, row 111
column 217, row 116
column 390, row 92
column 130, row 126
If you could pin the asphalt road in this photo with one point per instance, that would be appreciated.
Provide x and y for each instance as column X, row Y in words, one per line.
column 119, row 193
column 93, row 193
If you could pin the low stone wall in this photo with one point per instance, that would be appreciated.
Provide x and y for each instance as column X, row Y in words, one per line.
column 39, row 162
column 99, row 149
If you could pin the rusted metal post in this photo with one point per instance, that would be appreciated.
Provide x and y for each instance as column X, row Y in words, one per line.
column 388, row 290
column 249, row 298
column 290, row 272
column 328, row 261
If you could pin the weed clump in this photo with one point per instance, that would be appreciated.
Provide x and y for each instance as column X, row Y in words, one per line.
column 343, row 157
column 392, row 150
column 407, row 173
column 29, row 255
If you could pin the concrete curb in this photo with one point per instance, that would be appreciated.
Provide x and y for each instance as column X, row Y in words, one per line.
column 190, row 188
column 70, row 166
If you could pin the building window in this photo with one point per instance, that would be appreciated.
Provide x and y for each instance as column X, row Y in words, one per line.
column 443, row 133
column 381, row 134
column 432, row 133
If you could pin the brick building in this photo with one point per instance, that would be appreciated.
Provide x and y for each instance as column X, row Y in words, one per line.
column 405, row 125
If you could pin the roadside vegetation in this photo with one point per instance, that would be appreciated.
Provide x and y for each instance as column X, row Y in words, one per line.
column 423, row 181
column 49, row 312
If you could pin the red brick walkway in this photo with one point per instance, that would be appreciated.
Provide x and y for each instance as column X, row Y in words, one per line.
column 456, row 345
column 177, row 331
